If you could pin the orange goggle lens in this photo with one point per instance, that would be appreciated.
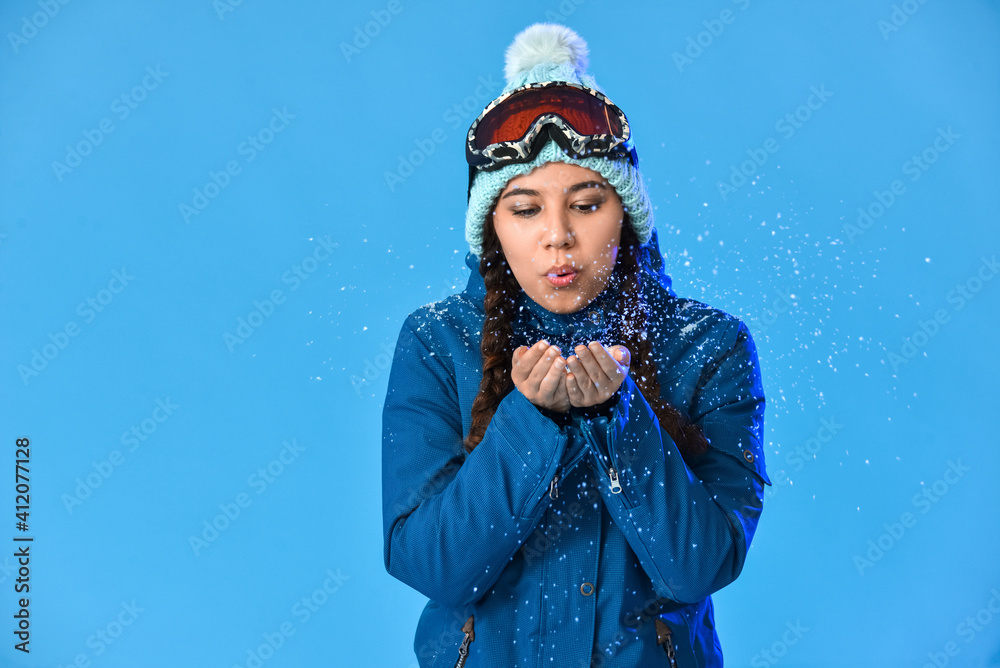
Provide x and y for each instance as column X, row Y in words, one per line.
column 510, row 120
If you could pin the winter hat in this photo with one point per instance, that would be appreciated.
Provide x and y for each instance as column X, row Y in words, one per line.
column 552, row 52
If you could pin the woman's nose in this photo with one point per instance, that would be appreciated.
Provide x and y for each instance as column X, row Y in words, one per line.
column 559, row 231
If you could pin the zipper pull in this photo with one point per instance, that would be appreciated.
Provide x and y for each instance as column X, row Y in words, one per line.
column 616, row 487
column 553, row 490
column 665, row 638
column 470, row 635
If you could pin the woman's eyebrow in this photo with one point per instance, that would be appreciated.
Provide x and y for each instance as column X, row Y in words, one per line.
column 520, row 191
column 572, row 189
column 584, row 184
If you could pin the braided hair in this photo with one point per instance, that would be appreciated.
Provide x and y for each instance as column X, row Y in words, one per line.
column 497, row 348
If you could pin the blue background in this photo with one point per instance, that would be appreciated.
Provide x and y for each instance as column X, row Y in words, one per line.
column 828, row 306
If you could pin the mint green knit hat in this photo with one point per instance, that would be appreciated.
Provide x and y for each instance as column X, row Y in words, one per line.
column 552, row 52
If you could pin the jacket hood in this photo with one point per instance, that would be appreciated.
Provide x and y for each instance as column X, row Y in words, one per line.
column 650, row 262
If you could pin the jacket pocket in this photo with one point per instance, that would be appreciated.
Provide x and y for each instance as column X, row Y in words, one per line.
column 739, row 443
column 675, row 637
column 470, row 635
column 665, row 639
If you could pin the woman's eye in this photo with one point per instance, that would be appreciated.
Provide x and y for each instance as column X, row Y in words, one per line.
column 582, row 207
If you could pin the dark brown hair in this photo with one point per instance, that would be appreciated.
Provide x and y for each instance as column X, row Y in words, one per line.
column 497, row 347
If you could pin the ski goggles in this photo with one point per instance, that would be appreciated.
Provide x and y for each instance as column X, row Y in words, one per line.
column 514, row 127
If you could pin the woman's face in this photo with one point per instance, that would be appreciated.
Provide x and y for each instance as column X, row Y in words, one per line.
column 565, row 217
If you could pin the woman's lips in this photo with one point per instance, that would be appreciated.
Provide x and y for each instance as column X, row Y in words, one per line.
column 561, row 281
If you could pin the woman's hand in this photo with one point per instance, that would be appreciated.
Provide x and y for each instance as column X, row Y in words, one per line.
column 539, row 373
column 594, row 375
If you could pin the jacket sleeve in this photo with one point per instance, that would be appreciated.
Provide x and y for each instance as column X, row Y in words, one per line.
column 451, row 521
column 689, row 528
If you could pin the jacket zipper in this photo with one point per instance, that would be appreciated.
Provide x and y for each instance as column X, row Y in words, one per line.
column 553, row 490
column 616, row 487
column 665, row 638
column 470, row 634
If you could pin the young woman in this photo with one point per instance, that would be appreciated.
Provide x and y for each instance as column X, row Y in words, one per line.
column 572, row 454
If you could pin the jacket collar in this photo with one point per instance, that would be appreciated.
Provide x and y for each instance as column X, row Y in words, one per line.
column 589, row 322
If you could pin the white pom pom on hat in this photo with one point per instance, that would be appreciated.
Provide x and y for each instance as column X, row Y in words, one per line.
column 553, row 52
column 545, row 43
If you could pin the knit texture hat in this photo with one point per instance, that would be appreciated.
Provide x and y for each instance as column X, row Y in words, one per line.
column 552, row 52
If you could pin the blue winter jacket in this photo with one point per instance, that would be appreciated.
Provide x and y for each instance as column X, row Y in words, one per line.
column 579, row 539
